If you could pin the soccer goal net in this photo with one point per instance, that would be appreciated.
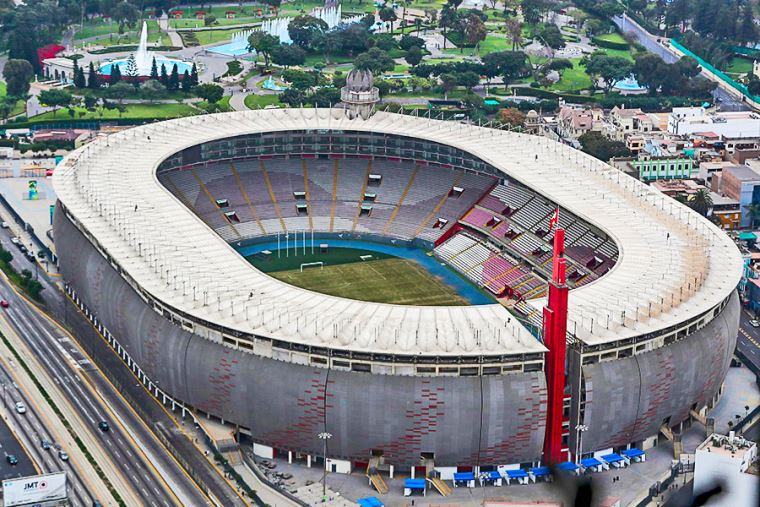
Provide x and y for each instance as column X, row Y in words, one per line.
column 312, row 265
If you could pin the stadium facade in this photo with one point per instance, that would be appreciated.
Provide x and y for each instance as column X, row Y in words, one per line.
column 149, row 221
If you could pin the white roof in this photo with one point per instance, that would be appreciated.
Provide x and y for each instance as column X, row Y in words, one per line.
column 672, row 265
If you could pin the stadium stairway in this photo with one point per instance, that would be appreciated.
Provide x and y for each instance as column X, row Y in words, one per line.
column 438, row 206
column 212, row 200
column 305, row 165
column 271, row 195
column 336, row 169
column 247, row 198
column 440, row 486
column 375, row 479
column 401, row 200
column 361, row 196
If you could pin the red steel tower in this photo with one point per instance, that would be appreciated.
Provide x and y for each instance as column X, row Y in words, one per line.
column 555, row 339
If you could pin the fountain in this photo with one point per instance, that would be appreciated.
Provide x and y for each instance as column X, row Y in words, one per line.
column 271, row 84
column 144, row 60
column 629, row 85
column 278, row 27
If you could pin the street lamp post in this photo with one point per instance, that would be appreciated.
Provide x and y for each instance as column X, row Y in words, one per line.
column 324, row 436
column 579, row 434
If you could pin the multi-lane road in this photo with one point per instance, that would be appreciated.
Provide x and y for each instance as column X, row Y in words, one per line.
column 749, row 341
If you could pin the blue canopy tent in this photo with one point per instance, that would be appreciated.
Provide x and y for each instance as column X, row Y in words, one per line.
column 593, row 464
column 568, row 466
column 635, row 454
column 468, row 478
column 519, row 475
column 370, row 501
column 414, row 486
column 544, row 472
column 492, row 476
column 615, row 460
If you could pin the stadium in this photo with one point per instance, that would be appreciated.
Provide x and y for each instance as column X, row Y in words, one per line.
column 298, row 271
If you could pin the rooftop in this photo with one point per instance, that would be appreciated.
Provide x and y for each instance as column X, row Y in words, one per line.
column 741, row 172
column 136, row 221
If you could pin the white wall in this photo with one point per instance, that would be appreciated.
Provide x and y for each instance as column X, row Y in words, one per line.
column 263, row 451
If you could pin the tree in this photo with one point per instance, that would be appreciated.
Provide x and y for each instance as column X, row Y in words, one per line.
column 551, row 36
column 468, row 79
column 209, row 20
column 608, row 69
column 595, row 26
column 446, row 20
column 475, row 30
column 90, row 102
column 753, row 210
column 324, row 97
column 211, row 93
column 753, row 87
column 533, row 10
column 388, row 15
column 375, row 60
column 6, row 106
column 187, row 81
column 120, row 91
column 194, row 75
column 448, row 83
column 409, row 41
column 115, row 75
column 287, row 55
column 164, row 76
column 514, row 31
column 17, row 74
column 55, row 98
column 512, row 116
column 303, row 29
column 79, row 79
column 93, row 81
column 292, row 97
column 595, row 144
column 154, row 69
column 413, row 56
column 299, row 79
column 151, row 90
column 508, row 64
column 125, row 14
column 173, row 82
column 131, row 70
column 746, row 31
column 263, row 43
column 701, row 202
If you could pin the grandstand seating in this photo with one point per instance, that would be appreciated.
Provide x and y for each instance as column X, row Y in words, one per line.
column 506, row 247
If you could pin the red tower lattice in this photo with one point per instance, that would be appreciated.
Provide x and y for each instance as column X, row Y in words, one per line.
column 555, row 339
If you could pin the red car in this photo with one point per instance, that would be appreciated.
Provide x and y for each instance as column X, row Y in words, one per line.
column 4, row 303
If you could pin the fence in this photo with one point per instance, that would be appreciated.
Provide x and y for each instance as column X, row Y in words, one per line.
column 717, row 73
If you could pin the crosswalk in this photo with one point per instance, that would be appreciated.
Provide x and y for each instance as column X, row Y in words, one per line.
column 749, row 337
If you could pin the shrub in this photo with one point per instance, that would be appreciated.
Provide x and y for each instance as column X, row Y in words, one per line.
column 608, row 44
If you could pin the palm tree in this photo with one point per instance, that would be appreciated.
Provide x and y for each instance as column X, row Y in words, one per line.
column 701, row 202
column 753, row 210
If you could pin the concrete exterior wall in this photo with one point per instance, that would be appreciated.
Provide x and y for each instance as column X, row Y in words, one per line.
column 627, row 400
column 463, row 420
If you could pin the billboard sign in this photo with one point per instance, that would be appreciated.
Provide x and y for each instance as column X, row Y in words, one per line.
column 34, row 489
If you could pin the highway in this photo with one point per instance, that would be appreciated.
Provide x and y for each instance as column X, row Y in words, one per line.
column 749, row 340
column 153, row 472
column 31, row 432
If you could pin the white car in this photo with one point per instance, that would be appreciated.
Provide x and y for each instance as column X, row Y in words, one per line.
column 4, row 225
column 20, row 408
column 754, row 323
column 15, row 241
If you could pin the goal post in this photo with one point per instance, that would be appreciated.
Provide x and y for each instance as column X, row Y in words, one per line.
column 321, row 265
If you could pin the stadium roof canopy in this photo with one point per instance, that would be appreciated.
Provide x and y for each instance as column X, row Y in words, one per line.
column 673, row 264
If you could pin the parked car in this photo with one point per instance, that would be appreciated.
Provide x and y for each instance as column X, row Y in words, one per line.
column 63, row 456
column 20, row 408
column 4, row 303
column 103, row 426
column 12, row 459
column 754, row 323
column 15, row 241
column 30, row 255
column 4, row 225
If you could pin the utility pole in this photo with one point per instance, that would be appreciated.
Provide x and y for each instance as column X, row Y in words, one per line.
column 324, row 436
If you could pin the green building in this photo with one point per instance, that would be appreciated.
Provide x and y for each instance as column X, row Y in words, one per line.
column 664, row 168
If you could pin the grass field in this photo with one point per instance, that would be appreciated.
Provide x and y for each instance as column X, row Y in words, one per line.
column 391, row 280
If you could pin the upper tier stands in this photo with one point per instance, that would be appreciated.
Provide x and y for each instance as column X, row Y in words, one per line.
column 244, row 199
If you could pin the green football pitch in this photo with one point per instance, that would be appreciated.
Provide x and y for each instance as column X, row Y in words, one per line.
column 365, row 275
column 389, row 280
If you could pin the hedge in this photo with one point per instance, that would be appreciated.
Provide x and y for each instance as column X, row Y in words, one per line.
column 608, row 44
column 131, row 47
column 546, row 94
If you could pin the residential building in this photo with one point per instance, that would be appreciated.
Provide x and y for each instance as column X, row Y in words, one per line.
column 729, row 462
column 737, row 129
column 629, row 121
column 740, row 183
column 708, row 168
column 573, row 122
column 678, row 188
column 726, row 210
column 664, row 168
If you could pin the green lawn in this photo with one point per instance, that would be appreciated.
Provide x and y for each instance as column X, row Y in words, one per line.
column 131, row 36
column 319, row 58
column 261, row 101
column 572, row 79
column 739, row 66
column 212, row 36
column 624, row 53
column 20, row 106
column 223, row 105
column 134, row 111
column 613, row 37
column 491, row 44
column 393, row 281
